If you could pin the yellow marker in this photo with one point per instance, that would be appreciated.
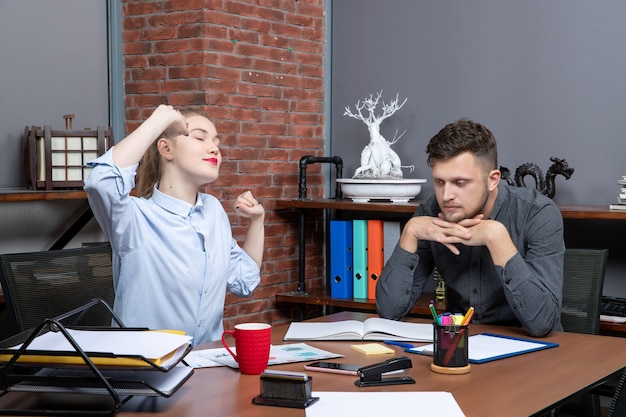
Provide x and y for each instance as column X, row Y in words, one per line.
column 468, row 316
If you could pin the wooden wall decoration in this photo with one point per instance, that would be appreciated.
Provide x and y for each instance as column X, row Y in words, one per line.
column 56, row 159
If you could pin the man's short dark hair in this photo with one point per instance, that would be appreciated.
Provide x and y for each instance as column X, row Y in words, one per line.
column 462, row 136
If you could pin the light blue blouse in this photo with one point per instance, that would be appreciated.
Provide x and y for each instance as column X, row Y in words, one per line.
column 172, row 261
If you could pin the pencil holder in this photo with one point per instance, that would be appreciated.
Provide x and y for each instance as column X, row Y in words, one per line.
column 450, row 349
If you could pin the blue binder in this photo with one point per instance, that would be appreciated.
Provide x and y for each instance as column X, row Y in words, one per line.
column 359, row 243
column 341, row 258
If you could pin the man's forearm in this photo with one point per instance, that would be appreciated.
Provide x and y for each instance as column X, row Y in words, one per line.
column 534, row 301
column 396, row 290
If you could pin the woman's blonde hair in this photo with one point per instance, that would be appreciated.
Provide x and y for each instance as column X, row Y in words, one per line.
column 149, row 170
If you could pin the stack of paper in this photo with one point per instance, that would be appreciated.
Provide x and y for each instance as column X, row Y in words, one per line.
column 107, row 347
column 131, row 362
column 621, row 197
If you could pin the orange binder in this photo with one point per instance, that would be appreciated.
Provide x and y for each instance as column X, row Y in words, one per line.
column 375, row 255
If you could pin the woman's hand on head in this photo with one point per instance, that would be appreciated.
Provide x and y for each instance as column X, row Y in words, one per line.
column 248, row 206
column 177, row 124
column 164, row 119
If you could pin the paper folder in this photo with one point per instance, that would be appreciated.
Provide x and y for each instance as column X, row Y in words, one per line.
column 359, row 268
column 341, row 258
column 391, row 237
column 116, row 347
column 375, row 255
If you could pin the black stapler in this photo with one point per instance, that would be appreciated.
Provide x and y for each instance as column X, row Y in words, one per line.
column 371, row 375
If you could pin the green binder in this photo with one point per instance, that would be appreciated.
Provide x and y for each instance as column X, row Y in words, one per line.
column 359, row 268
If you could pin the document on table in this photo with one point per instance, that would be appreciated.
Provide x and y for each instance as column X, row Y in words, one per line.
column 377, row 404
column 288, row 353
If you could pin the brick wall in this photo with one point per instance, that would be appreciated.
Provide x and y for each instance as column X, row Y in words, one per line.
column 257, row 68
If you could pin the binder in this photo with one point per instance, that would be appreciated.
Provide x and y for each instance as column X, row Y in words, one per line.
column 341, row 258
column 391, row 235
column 359, row 268
column 375, row 255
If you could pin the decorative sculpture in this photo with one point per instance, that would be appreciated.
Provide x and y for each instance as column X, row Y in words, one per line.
column 378, row 160
column 545, row 186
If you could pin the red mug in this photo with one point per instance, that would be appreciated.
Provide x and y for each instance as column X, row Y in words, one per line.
column 252, row 346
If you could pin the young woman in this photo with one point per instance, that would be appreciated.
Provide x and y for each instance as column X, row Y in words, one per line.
column 174, row 255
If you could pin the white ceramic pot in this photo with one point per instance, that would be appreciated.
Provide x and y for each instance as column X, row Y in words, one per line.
column 363, row 190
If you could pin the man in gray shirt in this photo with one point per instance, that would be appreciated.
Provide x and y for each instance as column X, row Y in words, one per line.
column 499, row 248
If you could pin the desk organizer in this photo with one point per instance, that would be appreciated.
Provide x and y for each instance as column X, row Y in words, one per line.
column 451, row 349
column 56, row 373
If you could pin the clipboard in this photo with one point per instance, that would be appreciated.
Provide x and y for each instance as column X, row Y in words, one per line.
column 488, row 347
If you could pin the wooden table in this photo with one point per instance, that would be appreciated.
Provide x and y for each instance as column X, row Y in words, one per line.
column 522, row 386
column 321, row 298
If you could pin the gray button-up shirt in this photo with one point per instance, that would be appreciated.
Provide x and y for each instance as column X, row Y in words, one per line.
column 526, row 292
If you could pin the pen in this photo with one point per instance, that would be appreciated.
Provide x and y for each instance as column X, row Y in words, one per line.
column 434, row 312
column 402, row 345
column 468, row 316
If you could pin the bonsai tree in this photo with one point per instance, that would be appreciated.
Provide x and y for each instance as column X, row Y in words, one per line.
column 378, row 160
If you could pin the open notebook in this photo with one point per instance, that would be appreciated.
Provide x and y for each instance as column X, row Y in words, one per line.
column 374, row 328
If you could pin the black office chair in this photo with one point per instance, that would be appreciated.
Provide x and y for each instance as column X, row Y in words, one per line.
column 47, row 284
column 583, row 279
column 618, row 405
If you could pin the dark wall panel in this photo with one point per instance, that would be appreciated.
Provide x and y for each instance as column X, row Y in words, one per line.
column 53, row 61
column 547, row 77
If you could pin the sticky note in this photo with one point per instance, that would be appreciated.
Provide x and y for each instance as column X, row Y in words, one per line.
column 372, row 349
